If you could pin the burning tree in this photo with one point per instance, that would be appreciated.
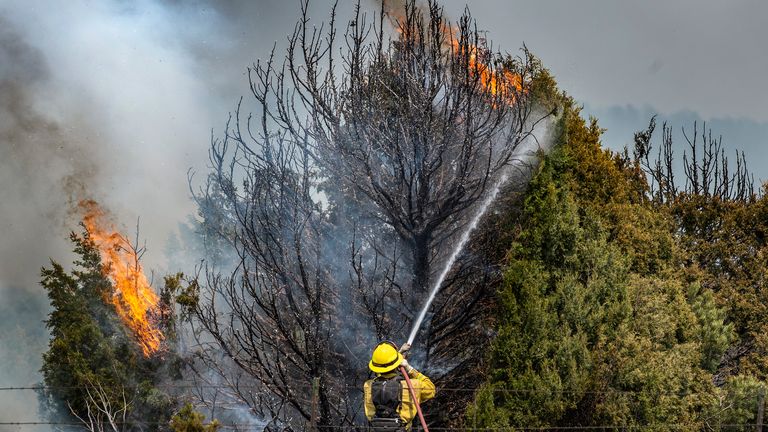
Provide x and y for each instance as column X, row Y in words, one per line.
column 345, row 192
column 133, row 298
column 111, row 335
column 418, row 130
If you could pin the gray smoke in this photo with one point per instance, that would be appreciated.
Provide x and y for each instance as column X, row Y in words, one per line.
column 112, row 101
column 40, row 167
column 42, row 163
column 115, row 101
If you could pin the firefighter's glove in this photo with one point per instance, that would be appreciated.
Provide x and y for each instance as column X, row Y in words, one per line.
column 408, row 368
column 405, row 348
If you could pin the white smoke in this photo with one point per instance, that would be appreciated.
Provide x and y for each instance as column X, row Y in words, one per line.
column 115, row 101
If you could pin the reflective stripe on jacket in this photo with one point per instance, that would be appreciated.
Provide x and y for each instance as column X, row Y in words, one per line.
column 422, row 387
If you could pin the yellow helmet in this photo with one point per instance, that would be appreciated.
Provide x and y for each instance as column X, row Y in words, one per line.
column 385, row 358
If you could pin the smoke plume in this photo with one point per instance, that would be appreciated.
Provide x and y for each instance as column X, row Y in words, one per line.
column 40, row 166
column 113, row 101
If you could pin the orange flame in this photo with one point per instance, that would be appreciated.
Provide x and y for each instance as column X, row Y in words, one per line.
column 502, row 82
column 133, row 298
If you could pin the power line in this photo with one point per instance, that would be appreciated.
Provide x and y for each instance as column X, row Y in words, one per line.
column 259, row 426
column 358, row 390
column 446, row 429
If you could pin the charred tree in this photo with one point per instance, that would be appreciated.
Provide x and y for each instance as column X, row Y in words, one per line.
column 706, row 168
column 363, row 163
column 273, row 315
column 417, row 127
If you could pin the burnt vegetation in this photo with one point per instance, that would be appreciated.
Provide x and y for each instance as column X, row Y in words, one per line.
column 706, row 170
column 344, row 192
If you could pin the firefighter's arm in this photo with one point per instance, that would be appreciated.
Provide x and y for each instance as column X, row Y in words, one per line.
column 370, row 409
column 425, row 387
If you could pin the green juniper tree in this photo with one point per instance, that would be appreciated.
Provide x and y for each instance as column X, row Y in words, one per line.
column 596, row 325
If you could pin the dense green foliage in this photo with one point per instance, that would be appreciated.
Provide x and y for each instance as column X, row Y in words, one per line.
column 617, row 309
column 725, row 247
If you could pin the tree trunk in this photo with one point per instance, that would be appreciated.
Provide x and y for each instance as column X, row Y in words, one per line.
column 421, row 268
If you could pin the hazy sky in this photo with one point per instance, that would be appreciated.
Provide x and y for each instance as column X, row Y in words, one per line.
column 685, row 60
column 705, row 56
column 116, row 99
column 627, row 60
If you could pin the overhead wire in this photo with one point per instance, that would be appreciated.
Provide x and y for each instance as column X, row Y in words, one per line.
column 260, row 426
column 246, row 426
column 359, row 390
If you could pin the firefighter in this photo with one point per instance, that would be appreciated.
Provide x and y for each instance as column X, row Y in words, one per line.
column 388, row 403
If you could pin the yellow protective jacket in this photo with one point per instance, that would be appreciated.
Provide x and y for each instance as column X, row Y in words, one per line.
column 422, row 387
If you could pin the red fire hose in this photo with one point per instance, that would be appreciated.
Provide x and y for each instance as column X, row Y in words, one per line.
column 414, row 398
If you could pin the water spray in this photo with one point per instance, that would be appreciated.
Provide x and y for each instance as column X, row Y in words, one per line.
column 489, row 199
column 436, row 287
column 455, row 254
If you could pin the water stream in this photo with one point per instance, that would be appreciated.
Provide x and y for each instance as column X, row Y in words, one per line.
column 456, row 251
column 525, row 155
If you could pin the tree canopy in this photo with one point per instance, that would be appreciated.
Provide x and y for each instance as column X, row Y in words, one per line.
column 623, row 307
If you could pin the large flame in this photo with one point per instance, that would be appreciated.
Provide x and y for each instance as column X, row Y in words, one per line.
column 133, row 299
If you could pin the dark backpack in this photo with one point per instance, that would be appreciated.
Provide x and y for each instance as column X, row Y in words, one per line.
column 386, row 395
